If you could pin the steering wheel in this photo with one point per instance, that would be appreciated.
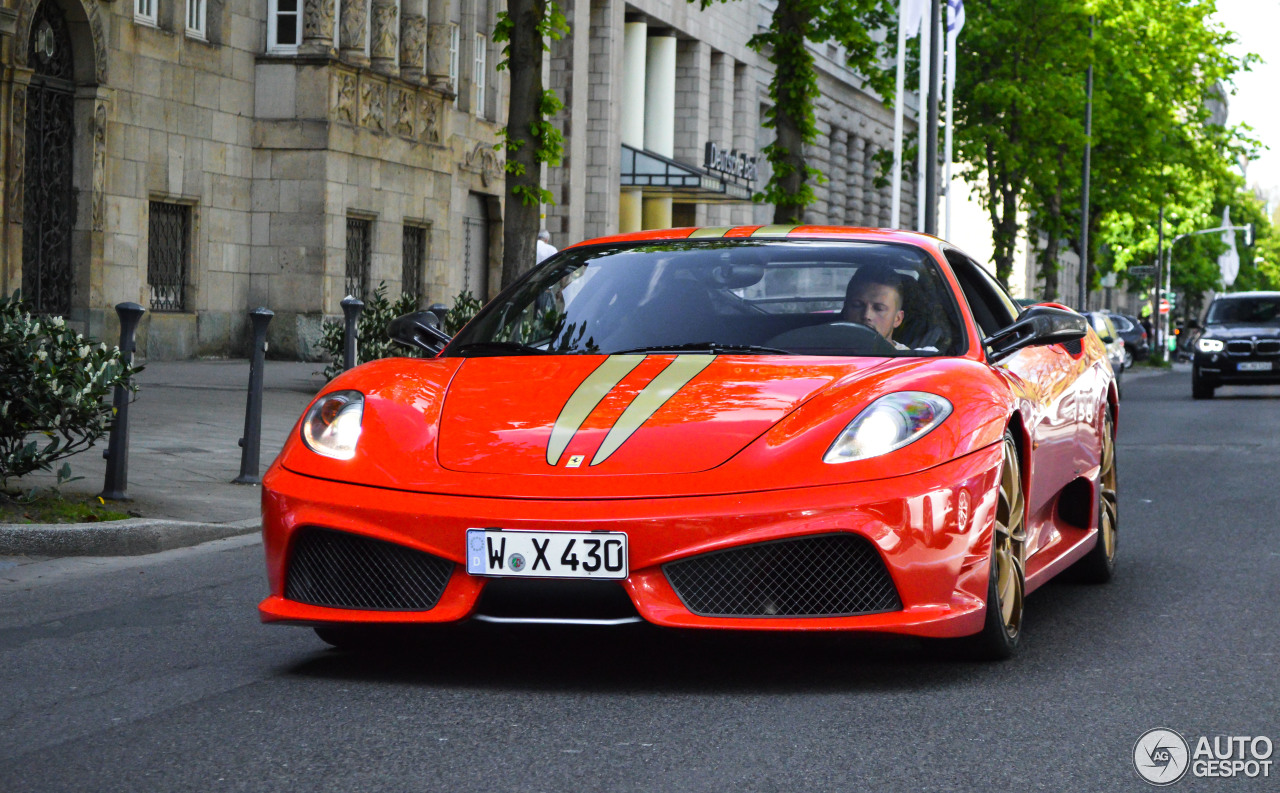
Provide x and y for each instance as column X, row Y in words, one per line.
column 835, row 338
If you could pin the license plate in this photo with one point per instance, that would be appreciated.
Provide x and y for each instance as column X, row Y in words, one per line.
column 1253, row 366
column 547, row 554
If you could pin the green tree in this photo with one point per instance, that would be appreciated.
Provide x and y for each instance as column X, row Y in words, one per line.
column 530, row 139
column 853, row 24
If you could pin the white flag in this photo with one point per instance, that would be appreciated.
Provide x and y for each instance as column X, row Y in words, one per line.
column 911, row 15
column 1229, row 261
column 955, row 18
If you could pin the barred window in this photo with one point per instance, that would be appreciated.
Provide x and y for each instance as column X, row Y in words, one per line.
column 196, row 13
column 168, row 255
column 284, row 26
column 359, row 232
column 414, row 253
column 144, row 11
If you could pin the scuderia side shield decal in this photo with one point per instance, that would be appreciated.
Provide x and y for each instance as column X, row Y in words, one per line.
column 604, row 379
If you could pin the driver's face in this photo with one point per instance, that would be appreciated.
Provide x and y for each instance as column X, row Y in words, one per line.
column 877, row 306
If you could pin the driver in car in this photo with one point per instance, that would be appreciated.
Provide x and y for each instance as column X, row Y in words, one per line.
column 874, row 298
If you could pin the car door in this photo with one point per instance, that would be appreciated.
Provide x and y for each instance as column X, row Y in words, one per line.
column 1043, row 377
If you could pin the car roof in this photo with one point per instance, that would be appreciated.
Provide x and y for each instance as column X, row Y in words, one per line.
column 775, row 231
column 1234, row 295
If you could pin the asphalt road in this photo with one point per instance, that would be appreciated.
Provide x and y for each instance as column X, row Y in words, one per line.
column 153, row 673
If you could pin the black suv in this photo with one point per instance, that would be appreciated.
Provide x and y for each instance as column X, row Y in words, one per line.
column 1240, row 343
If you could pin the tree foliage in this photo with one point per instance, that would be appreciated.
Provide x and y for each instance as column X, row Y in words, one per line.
column 531, row 139
column 1159, row 66
column 854, row 25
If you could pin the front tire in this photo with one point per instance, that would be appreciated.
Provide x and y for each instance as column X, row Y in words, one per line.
column 1006, row 586
column 1201, row 386
column 1099, row 565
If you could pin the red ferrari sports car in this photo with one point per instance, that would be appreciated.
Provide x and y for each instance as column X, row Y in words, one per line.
column 752, row 428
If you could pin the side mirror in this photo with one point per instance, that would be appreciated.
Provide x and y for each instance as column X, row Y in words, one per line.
column 420, row 330
column 1038, row 325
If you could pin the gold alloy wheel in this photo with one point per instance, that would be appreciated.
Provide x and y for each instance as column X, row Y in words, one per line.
column 1009, row 538
column 1107, row 482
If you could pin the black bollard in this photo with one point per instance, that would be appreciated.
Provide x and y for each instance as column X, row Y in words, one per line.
column 351, row 308
column 115, row 486
column 251, row 443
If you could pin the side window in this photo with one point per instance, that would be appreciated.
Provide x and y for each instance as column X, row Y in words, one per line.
column 992, row 307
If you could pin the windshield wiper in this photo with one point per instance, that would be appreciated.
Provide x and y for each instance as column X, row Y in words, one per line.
column 709, row 346
column 497, row 348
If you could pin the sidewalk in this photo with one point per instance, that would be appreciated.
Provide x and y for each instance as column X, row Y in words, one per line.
column 184, row 426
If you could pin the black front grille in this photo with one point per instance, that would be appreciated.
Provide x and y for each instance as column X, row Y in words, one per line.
column 1240, row 347
column 829, row 575
column 1268, row 347
column 334, row 568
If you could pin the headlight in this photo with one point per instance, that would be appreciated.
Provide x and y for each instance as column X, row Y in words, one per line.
column 889, row 423
column 332, row 425
column 1209, row 345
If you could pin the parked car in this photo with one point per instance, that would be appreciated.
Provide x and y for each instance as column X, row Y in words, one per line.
column 1110, row 338
column 1238, row 343
column 1137, row 347
column 759, row 428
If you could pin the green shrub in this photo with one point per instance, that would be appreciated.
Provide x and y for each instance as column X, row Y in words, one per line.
column 465, row 306
column 372, row 341
column 55, row 390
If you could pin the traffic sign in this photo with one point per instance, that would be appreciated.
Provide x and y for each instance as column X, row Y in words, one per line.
column 1143, row 270
column 1164, row 306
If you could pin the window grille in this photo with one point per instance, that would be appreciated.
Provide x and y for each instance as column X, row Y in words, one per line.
column 196, row 12
column 358, row 254
column 144, row 11
column 284, row 26
column 168, row 255
column 477, row 80
column 414, row 253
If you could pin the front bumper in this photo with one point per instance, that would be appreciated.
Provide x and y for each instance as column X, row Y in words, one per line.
column 934, row 541
column 1226, row 368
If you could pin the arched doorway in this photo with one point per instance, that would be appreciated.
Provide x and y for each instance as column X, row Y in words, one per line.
column 49, row 204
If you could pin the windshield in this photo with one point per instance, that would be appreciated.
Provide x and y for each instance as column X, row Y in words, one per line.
column 1250, row 310
column 741, row 296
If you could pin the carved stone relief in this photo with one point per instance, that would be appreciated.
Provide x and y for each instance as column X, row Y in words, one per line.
column 344, row 100
column 373, row 98
column 317, row 22
column 429, row 109
column 353, row 30
column 438, row 59
column 99, row 164
column 386, row 33
column 485, row 161
column 413, row 42
column 401, row 112
column 17, row 153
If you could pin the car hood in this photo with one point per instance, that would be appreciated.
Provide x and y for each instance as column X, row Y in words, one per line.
column 620, row 414
column 1241, row 331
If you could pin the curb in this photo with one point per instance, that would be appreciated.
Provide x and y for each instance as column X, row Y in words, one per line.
column 132, row 537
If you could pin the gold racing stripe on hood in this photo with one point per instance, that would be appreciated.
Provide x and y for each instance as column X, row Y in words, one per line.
column 710, row 231
column 776, row 230
column 584, row 400
column 670, row 380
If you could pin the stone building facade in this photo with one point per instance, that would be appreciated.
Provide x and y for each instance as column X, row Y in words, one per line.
column 202, row 157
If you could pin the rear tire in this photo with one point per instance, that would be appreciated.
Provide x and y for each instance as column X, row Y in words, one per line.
column 1201, row 386
column 1006, row 585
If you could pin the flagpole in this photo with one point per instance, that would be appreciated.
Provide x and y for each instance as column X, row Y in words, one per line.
column 895, row 218
column 951, row 86
column 926, row 50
